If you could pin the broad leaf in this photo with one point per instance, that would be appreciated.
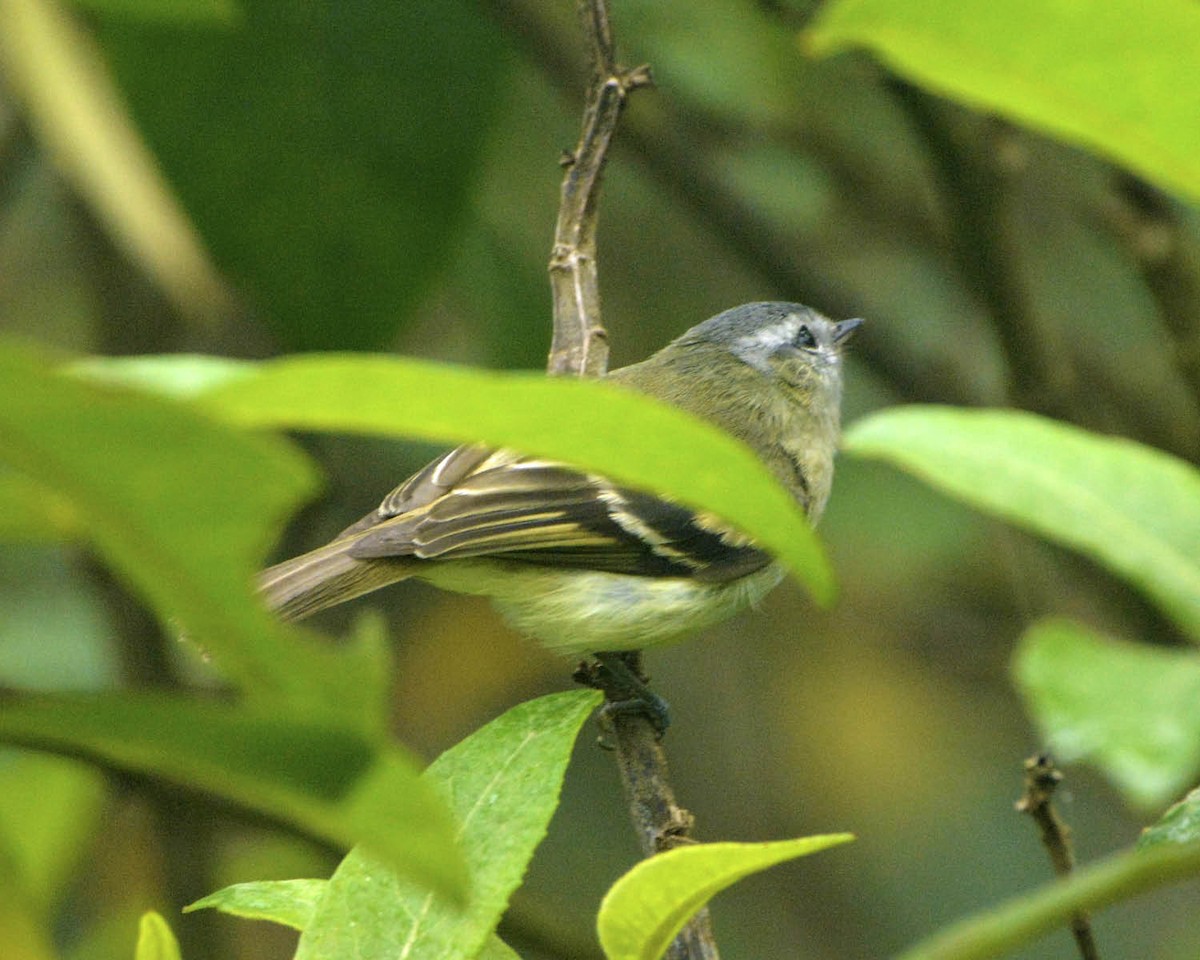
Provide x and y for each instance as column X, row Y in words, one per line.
column 182, row 509
column 594, row 425
column 1133, row 509
column 646, row 908
column 613, row 431
column 1130, row 709
column 293, row 903
column 331, row 782
column 172, row 375
column 30, row 513
column 1117, row 77
column 503, row 784
column 325, row 151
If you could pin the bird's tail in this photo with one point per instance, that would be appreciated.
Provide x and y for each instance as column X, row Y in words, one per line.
column 325, row 577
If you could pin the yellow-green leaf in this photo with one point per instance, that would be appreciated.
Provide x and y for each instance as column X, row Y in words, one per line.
column 155, row 939
column 644, row 909
column 590, row 424
column 1117, row 77
column 1130, row 709
column 290, row 903
column 330, row 781
column 1132, row 508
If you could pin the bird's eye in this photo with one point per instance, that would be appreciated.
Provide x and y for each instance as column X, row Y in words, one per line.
column 805, row 338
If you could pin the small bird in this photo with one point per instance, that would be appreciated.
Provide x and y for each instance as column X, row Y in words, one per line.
column 586, row 565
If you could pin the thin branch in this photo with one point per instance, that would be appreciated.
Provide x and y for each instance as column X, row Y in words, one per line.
column 580, row 344
column 580, row 347
column 1041, row 780
column 660, row 822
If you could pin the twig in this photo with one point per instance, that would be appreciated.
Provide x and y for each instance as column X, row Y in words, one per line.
column 580, row 347
column 1042, row 777
column 580, row 343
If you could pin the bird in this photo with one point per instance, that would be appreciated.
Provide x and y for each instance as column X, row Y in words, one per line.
column 581, row 563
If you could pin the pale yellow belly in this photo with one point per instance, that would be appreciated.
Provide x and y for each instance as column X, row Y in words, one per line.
column 580, row 612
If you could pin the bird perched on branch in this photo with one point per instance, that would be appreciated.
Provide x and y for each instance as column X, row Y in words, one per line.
column 577, row 561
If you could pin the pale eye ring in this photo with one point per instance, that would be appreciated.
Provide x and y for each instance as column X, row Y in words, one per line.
column 805, row 339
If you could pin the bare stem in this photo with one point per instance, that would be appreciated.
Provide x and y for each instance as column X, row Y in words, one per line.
column 1042, row 777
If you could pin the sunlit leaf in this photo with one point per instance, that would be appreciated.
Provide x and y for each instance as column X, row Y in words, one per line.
column 1133, row 509
column 173, row 375
column 613, row 431
column 643, row 910
column 1116, row 77
column 617, row 432
column 293, row 903
column 1130, row 709
column 331, row 782
column 503, row 784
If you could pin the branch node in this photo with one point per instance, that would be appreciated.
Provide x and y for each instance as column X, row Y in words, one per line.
column 1042, row 778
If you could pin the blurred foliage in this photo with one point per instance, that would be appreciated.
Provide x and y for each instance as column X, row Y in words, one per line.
column 383, row 175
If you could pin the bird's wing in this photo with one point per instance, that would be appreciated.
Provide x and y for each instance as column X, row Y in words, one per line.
column 477, row 502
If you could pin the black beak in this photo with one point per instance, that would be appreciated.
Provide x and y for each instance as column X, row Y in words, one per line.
column 842, row 331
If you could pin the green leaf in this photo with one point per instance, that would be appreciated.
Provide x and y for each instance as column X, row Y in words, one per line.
column 591, row 424
column 177, row 375
column 503, row 784
column 293, row 903
column 1179, row 825
column 326, row 151
column 29, row 513
column 1133, row 509
column 330, row 781
column 155, row 939
column 1129, row 709
column 183, row 509
column 1116, row 77
column 1002, row 929
column 644, row 910
column 290, row 903
column 496, row 949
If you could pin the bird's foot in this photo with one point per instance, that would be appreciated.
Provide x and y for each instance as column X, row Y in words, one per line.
column 626, row 690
